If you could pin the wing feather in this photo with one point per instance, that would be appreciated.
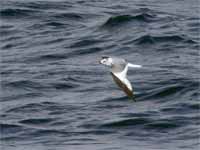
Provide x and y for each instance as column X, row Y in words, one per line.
column 122, row 86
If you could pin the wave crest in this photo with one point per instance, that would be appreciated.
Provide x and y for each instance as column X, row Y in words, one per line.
column 121, row 19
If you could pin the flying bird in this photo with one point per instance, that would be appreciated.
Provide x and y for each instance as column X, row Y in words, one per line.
column 119, row 68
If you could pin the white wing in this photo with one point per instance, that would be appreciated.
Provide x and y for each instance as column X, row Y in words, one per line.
column 134, row 66
column 122, row 76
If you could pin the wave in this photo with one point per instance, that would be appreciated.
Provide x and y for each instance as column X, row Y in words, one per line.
column 7, row 128
column 64, row 86
column 49, row 132
column 172, row 122
column 34, row 107
column 158, row 125
column 17, row 96
column 152, row 123
column 84, row 51
column 50, row 57
column 181, row 108
column 24, row 84
column 149, row 39
column 16, row 13
column 65, row 55
column 37, row 121
column 121, row 19
column 172, row 88
column 45, row 5
column 83, row 43
column 127, row 122
column 69, row 15
column 55, row 24
column 31, row 107
column 166, row 91
column 34, row 87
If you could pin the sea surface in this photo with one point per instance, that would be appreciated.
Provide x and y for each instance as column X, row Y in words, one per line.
column 56, row 96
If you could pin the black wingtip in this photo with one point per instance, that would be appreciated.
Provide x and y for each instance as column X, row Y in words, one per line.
column 104, row 57
column 132, row 98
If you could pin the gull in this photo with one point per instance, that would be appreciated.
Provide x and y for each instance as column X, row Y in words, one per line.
column 119, row 68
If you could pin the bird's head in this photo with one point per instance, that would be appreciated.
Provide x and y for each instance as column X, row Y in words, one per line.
column 105, row 60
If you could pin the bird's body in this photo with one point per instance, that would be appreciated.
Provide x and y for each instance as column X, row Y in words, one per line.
column 119, row 68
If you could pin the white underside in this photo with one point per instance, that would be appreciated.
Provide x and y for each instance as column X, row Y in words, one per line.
column 123, row 78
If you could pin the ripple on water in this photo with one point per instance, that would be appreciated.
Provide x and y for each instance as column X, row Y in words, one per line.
column 56, row 95
column 14, row 13
column 37, row 121
column 121, row 19
column 149, row 39
column 127, row 122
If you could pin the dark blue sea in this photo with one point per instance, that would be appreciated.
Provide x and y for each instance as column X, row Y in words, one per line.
column 56, row 96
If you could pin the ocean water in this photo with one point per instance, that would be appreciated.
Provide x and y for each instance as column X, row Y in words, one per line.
column 56, row 96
